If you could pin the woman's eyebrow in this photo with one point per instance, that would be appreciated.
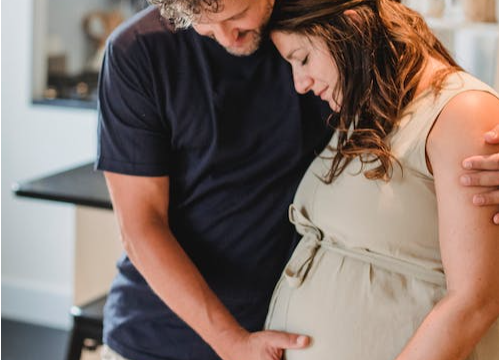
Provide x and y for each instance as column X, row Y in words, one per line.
column 290, row 54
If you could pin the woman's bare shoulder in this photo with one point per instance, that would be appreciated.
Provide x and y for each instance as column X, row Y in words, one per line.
column 461, row 125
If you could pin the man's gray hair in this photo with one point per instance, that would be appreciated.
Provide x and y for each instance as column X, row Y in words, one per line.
column 181, row 13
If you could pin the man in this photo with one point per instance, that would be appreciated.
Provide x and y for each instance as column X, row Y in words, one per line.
column 203, row 142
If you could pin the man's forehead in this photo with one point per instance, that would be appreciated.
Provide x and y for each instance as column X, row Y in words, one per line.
column 225, row 10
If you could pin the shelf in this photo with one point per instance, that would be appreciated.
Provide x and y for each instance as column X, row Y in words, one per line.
column 68, row 44
column 68, row 103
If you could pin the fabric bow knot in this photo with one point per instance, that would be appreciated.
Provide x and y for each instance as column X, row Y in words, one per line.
column 298, row 266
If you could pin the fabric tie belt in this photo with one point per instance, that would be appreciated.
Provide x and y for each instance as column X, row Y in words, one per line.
column 298, row 266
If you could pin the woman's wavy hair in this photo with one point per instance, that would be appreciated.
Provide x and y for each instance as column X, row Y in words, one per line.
column 380, row 53
column 181, row 13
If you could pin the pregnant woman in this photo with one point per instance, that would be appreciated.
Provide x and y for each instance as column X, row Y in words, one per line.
column 395, row 261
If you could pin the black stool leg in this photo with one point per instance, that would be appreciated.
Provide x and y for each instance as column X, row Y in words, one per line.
column 75, row 345
column 87, row 327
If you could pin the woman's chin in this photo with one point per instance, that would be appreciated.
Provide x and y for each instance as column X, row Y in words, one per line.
column 333, row 105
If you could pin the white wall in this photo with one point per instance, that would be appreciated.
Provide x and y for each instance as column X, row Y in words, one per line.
column 476, row 49
column 475, row 46
column 37, row 236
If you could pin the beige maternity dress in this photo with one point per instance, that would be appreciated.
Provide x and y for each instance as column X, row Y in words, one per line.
column 368, row 268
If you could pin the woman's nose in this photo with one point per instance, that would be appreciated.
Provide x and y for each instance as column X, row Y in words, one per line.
column 303, row 83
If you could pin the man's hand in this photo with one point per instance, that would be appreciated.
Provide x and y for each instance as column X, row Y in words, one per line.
column 265, row 345
column 487, row 174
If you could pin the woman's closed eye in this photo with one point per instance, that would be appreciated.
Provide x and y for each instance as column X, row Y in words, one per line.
column 304, row 61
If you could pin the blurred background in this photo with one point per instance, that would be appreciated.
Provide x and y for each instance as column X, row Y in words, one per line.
column 60, row 253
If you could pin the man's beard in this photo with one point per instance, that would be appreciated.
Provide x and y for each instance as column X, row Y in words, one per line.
column 252, row 45
column 256, row 37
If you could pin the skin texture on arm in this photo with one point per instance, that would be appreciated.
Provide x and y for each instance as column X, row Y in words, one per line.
column 468, row 237
column 486, row 172
column 141, row 207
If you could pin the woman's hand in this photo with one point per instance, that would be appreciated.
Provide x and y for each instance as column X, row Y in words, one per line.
column 265, row 345
column 487, row 174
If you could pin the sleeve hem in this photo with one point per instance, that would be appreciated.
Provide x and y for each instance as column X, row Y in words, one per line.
column 125, row 168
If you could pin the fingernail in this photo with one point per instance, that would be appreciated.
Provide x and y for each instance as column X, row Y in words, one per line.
column 301, row 340
column 467, row 165
column 492, row 135
column 466, row 180
column 496, row 219
column 478, row 200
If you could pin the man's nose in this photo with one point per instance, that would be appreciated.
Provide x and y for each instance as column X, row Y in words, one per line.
column 225, row 35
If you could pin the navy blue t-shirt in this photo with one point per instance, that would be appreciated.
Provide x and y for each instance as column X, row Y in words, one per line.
column 235, row 139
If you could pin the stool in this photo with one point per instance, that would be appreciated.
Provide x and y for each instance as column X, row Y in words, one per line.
column 87, row 327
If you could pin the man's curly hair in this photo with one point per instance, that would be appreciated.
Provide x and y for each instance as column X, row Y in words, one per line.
column 181, row 13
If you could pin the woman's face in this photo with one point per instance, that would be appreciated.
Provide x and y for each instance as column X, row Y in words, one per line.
column 312, row 63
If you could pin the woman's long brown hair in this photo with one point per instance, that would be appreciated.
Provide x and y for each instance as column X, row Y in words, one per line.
column 381, row 53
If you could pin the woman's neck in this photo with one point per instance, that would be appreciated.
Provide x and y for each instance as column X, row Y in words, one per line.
column 431, row 68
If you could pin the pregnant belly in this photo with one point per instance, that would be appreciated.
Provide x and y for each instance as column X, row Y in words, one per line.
column 352, row 309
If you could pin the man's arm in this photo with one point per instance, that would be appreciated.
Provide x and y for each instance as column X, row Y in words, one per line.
column 486, row 174
column 141, row 206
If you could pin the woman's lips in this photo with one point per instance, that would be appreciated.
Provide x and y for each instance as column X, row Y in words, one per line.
column 322, row 93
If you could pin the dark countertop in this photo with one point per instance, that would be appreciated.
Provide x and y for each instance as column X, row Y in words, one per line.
column 80, row 185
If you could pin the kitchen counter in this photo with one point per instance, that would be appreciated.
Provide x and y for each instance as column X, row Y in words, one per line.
column 81, row 185
column 96, row 240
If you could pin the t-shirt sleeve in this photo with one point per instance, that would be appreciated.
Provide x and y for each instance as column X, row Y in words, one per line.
column 133, row 136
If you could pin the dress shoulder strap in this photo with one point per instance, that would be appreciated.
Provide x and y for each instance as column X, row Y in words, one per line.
column 408, row 140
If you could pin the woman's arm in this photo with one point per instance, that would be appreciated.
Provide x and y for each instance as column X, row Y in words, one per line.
column 469, row 240
column 486, row 173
